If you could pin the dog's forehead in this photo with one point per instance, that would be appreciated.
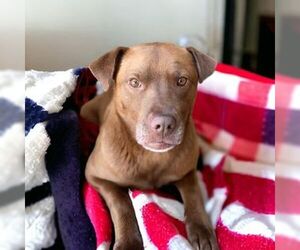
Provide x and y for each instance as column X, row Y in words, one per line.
column 158, row 56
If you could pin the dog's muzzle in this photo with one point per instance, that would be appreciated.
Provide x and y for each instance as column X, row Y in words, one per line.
column 160, row 133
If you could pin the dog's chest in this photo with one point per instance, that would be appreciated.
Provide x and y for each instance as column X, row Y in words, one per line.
column 139, row 169
column 147, row 175
column 138, row 175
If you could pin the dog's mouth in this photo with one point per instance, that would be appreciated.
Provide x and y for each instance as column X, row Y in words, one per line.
column 159, row 147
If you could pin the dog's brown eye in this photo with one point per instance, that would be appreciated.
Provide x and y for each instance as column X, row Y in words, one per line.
column 182, row 81
column 135, row 83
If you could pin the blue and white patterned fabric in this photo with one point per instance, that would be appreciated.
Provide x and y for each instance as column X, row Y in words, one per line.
column 46, row 92
column 11, row 160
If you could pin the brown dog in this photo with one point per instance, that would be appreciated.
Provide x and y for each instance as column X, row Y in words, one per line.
column 147, row 137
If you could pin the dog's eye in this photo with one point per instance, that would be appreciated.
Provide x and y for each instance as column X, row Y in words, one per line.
column 135, row 83
column 182, row 81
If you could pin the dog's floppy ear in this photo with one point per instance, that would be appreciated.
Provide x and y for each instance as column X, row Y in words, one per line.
column 204, row 63
column 106, row 67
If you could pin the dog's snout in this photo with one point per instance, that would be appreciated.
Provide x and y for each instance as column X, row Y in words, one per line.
column 163, row 125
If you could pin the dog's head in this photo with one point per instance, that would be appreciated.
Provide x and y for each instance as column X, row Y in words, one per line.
column 154, row 89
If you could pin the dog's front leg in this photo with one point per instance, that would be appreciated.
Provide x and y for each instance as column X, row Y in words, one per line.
column 127, row 235
column 199, row 229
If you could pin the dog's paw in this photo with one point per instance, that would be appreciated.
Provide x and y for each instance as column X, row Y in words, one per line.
column 130, row 243
column 201, row 237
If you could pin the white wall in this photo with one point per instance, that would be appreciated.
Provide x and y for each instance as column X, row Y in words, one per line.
column 12, row 33
column 71, row 33
column 288, row 7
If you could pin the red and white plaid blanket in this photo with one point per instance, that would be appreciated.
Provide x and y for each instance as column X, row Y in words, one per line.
column 234, row 116
column 287, row 163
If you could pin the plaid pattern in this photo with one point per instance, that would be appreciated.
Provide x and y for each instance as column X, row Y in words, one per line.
column 287, row 166
column 237, row 114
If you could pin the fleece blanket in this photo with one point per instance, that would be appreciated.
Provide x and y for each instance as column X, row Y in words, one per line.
column 11, row 160
column 234, row 116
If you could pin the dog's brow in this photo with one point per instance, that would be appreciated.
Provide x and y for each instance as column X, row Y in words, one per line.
column 178, row 66
column 136, row 73
column 180, row 72
column 145, row 75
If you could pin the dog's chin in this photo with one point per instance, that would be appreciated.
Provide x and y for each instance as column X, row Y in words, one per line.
column 156, row 144
column 158, row 147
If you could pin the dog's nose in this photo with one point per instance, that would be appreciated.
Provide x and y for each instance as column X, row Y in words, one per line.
column 163, row 125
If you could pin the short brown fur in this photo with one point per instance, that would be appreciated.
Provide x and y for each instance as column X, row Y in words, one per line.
column 118, row 161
